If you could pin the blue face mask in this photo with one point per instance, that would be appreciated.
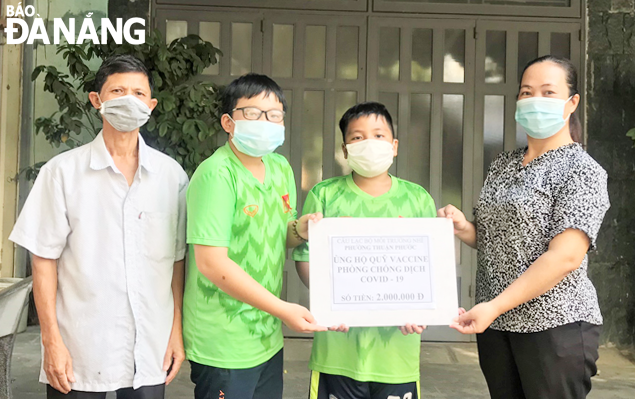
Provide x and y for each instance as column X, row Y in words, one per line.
column 257, row 138
column 541, row 117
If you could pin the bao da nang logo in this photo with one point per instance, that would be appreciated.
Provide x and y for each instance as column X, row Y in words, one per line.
column 18, row 31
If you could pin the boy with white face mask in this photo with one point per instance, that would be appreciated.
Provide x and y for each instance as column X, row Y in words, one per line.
column 373, row 362
column 241, row 220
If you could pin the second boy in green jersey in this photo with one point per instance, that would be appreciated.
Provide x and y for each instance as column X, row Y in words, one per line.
column 373, row 362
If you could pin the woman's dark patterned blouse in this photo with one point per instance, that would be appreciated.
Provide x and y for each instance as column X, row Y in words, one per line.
column 520, row 210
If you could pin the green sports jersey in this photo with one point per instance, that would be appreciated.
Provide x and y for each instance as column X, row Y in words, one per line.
column 228, row 207
column 377, row 354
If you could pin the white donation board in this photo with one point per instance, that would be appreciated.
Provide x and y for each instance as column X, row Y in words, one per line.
column 382, row 271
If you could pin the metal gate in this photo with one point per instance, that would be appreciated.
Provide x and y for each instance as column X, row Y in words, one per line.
column 449, row 82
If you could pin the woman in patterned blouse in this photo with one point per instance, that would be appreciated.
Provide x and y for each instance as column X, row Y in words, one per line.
column 539, row 212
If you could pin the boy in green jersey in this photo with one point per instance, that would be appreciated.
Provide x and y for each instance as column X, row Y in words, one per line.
column 241, row 220
column 372, row 362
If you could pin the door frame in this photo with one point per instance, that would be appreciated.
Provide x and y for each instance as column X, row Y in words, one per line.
column 11, row 77
column 293, row 289
column 473, row 88
column 574, row 10
column 437, row 88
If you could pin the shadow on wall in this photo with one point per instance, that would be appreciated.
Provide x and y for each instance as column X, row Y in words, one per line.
column 611, row 91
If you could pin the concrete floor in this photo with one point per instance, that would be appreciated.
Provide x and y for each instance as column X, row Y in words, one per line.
column 448, row 371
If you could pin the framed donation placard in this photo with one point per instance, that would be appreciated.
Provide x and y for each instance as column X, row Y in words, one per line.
column 369, row 272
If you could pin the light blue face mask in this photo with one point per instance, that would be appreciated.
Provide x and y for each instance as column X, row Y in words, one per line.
column 257, row 138
column 541, row 117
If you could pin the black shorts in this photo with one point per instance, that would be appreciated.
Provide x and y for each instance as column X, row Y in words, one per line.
column 329, row 386
column 261, row 382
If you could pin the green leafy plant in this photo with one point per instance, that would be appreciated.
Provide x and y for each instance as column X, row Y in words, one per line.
column 631, row 134
column 183, row 123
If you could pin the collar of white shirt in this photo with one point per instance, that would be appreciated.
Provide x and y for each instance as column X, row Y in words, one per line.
column 100, row 158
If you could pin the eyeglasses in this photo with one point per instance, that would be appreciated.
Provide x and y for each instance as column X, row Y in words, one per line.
column 253, row 113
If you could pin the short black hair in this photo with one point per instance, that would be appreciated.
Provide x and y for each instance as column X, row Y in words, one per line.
column 120, row 63
column 249, row 86
column 365, row 109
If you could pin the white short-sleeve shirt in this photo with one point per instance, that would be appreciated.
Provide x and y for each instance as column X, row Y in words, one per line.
column 116, row 246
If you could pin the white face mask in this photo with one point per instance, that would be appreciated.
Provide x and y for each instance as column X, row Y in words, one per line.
column 257, row 138
column 125, row 113
column 370, row 158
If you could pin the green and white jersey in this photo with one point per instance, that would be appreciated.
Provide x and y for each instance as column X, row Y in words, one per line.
column 228, row 207
column 377, row 354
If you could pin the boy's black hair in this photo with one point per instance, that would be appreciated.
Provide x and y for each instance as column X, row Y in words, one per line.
column 365, row 109
column 121, row 63
column 249, row 86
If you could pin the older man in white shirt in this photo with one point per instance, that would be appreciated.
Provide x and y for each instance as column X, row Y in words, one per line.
column 105, row 223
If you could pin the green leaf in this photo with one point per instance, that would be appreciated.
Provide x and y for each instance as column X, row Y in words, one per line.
column 158, row 82
column 631, row 134
column 189, row 127
column 37, row 71
column 152, row 124
column 163, row 129
column 168, row 102
column 202, row 127
column 58, row 87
